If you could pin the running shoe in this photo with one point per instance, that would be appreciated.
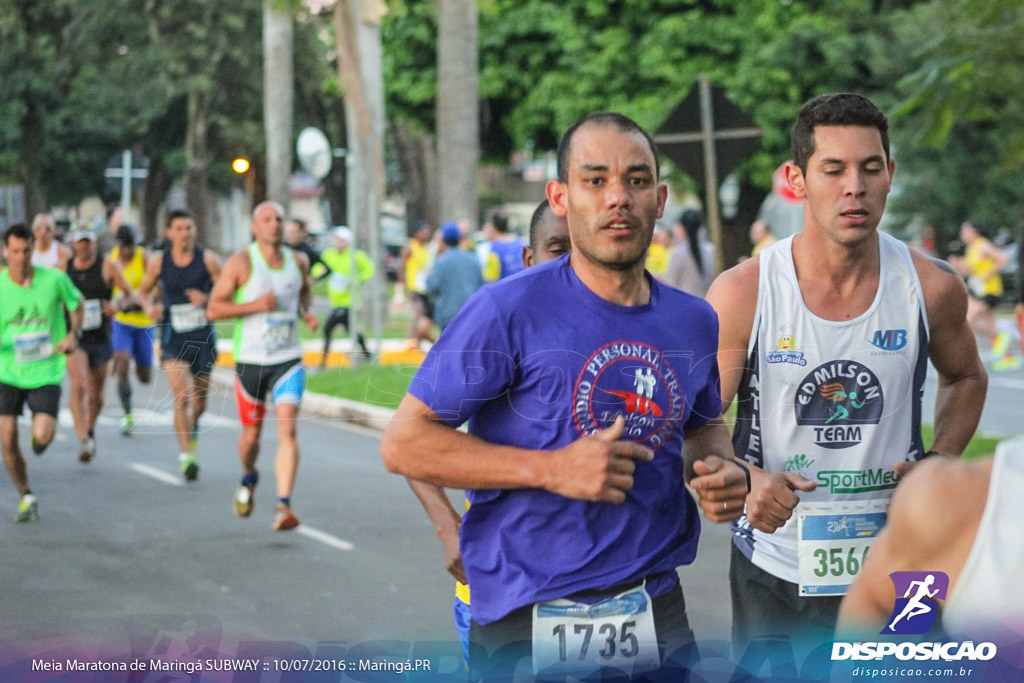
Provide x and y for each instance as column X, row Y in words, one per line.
column 127, row 425
column 284, row 518
column 189, row 467
column 1006, row 363
column 28, row 509
column 1001, row 345
column 87, row 450
column 244, row 499
column 34, row 445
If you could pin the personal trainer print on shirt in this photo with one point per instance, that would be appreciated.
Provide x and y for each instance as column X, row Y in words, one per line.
column 632, row 379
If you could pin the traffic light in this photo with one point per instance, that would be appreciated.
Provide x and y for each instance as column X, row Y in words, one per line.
column 240, row 165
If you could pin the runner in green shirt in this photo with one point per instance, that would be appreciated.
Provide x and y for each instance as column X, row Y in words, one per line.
column 34, row 342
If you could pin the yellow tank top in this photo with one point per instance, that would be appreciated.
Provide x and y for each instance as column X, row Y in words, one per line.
column 984, row 279
column 657, row 260
column 133, row 274
column 416, row 267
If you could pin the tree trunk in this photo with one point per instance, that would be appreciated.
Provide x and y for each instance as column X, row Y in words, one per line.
column 418, row 159
column 154, row 191
column 458, row 110
column 196, row 163
column 32, row 136
column 278, row 89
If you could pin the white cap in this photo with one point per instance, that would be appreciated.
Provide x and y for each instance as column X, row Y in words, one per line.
column 343, row 233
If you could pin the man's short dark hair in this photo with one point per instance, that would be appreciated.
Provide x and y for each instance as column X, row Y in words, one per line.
column 535, row 221
column 176, row 214
column 604, row 118
column 299, row 222
column 500, row 222
column 19, row 230
column 834, row 109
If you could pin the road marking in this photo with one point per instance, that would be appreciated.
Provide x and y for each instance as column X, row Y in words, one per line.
column 159, row 475
column 324, row 537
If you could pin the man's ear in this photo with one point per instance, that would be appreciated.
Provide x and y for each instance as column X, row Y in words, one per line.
column 795, row 178
column 557, row 193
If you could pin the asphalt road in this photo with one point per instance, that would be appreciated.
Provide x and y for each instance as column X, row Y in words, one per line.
column 129, row 560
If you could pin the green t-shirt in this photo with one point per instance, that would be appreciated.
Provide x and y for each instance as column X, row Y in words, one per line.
column 31, row 325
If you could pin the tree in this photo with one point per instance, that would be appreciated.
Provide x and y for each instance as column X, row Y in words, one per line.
column 43, row 46
column 458, row 127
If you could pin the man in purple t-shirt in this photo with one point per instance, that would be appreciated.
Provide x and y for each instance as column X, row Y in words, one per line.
column 590, row 392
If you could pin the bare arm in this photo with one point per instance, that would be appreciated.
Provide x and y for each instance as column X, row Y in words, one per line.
column 733, row 295
column 908, row 542
column 70, row 342
column 64, row 254
column 113, row 275
column 222, row 304
column 419, row 445
column 151, row 278
column 446, row 524
column 213, row 265
column 306, row 293
column 963, row 381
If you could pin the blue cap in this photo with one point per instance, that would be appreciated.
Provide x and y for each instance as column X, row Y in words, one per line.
column 450, row 233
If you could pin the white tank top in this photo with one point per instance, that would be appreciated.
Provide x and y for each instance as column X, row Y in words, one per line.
column 47, row 259
column 991, row 586
column 838, row 402
column 269, row 338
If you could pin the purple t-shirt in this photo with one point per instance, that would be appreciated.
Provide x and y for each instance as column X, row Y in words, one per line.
column 538, row 361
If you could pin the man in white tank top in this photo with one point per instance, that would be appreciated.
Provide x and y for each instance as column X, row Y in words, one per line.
column 826, row 337
column 48, row 252
column 959, row 518
column 269, row 289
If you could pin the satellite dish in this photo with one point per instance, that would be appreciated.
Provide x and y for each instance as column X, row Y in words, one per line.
column 314, row 152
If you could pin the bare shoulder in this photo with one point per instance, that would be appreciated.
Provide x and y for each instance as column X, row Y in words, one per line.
column 945, row 294
column 301, row 259
column 733, row 294
column 923, row 502
column 238, row 266
column 212, row 258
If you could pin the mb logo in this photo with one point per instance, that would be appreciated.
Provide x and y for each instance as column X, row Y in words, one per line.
column 914, row 613
column 889, row 340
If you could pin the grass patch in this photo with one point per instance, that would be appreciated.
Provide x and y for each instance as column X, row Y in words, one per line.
column 377, row 385
column 979, row 446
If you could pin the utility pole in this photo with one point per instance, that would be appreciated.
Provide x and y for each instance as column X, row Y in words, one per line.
column 278, row 79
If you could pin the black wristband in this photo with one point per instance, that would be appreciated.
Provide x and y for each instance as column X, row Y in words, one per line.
column 746, row 470
column 931, row 453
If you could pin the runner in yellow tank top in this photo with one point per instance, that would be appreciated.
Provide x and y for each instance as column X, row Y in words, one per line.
column 414, row 269
column 132, row 331
column 981, row 265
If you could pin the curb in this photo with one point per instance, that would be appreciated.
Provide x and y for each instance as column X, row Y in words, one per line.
column 329, row 407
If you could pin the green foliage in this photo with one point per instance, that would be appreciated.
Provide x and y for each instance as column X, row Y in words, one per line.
column 543, row 65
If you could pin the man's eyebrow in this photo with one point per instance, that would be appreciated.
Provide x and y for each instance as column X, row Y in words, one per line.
column 640, row 168
column 877, row 158
column 591, row 168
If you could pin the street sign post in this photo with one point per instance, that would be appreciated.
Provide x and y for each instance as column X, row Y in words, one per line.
column 131, row 171
column 708, row 136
